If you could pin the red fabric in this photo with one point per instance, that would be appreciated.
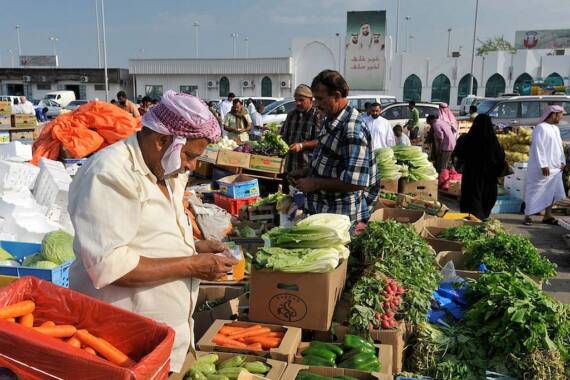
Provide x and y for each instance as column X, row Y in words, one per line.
column 32, row 355
column 84, row 131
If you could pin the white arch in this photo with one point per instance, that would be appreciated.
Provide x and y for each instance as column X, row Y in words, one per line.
column 315, row 57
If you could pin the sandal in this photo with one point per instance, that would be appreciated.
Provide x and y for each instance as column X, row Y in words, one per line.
column 550, row 221
column 527, row 222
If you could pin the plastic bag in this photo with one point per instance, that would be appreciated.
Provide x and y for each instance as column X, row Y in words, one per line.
column 32, row 355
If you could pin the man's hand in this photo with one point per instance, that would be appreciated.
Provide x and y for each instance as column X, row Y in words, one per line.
column 296, row 148
column 299, row 173
column 545, row 172
column 307, row 184
column 210, row 267
column 210, row 246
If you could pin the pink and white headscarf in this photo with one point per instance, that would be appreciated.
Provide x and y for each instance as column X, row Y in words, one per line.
column 548, row 111
column 184, row 117
column 445, row 114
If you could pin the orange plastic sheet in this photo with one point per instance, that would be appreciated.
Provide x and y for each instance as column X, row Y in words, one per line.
column 84, row 131
column 32, row 355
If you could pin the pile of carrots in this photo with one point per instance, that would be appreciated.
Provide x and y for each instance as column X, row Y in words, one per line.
column 257, row 337
column 23, row 314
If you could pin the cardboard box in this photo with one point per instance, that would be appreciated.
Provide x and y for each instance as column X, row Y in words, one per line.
column 5, row 121
column 21, row 135
column 415, row 218
column 277, row 367
column 454, row 188
column 5, row 108
column 433, row 227
column 305, row 300
column 233, row 159
column 234, row 301
column 439, row 245
column 24, row 121
column 426, row 190
column 271, row 164
column 384, row 356
column 239, row 186
column 293, row 370
column 210, row 155
column 389, row 186
column 285, row 352
column 203, row 169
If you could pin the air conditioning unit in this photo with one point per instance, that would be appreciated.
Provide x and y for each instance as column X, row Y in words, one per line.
column 247, row 84
column 559, row 52
column 26, row 78
column 43, row 78
column 84, row 79
column 285, row 84
column 455, row 54
column 212, row 84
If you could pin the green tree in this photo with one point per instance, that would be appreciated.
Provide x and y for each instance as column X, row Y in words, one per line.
column 494, row 44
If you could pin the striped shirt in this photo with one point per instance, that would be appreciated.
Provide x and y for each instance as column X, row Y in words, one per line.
column 297, row 128
column 344, row 152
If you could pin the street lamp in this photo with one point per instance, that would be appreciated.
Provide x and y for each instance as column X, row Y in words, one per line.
column 11, row 52
column 235, row 37
column 406, row 26
column 411, row 38
column 54, row 40
column 473, row 47
column 339, row 49
column 196, row 25
column 246, row 39
column 18, row 28
column 449, row 42
column 104, row 51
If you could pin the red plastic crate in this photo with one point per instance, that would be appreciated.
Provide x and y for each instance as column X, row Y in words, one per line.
column 232, row 205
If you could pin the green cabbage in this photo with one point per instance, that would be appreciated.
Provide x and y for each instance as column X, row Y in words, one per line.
column 5, row 255
column 339, row 223
column 57, row 247
column 298, row 260
column 44, row 264
column 415, row 165
column 31, row 260
column 302, row 237
column 386, row 161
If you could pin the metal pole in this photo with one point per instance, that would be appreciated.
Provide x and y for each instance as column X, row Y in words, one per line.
column 98, row 34
column 339, row 51
column 196, row 25
column 406, row 26
column 11, row 52
column 105, row 51
column 18, row 27
column 449, row 42
column 397, row 26
column 246, row 47
column 473, row 47
column 411, row 38
column 234, row 36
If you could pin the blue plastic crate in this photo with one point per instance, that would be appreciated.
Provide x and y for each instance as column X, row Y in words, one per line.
column 507, row 204
column 239, row 186
column 58, row 275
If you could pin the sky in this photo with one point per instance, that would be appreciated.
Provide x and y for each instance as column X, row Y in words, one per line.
column 163, row 28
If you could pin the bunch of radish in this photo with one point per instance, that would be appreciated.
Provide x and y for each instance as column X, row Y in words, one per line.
column 392, row 295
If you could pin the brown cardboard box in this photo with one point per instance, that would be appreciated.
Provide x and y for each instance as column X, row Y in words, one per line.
column 426, row 190
column 5, row 108
column 384, row 356
column 305, row 300
column 235, row 300
column 415, row 218
column 24, row 121
column 277, row 367
column 433, row 227
column 233, row 159
column 293, row 370
column 5, row 121
column 389, row 186
column 454, row 188
column 439, row 245
column 271, row 164
column 210, row 155
column 203, row 169
column 285, row 352
column 21, row 135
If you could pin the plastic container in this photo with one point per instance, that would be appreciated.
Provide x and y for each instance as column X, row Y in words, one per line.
column 232, row 205
column 58, row 275
column 507, row 204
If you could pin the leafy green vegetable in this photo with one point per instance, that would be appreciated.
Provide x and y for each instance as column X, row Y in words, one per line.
column 304, row 260
column 44, row 264
column 31, row 260
column 5, row 255
column 271, row 144
column 270, row 199
column 387, row 166
column 415, row 163
column 339, row 223
column 468, row 233
column 57, row 247
column 505, row 252
column 303, row 236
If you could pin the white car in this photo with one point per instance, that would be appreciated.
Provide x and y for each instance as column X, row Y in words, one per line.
column 468, row 101
column 53, row 108
column 73, row 105
column 276, row 112
column 359, row 101
column 399, row 113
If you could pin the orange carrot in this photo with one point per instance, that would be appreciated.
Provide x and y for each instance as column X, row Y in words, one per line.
column 73, row 341
column 13, row 320
column 90, row 350
column 255, row 346
column 266, row 342
column 17, row 309
column 105, row 349
column 59, row 331
column 228, row 330
column 47, row 324
column 247, row 332
column 222, row 340
column 26, row 320
column 276, row 334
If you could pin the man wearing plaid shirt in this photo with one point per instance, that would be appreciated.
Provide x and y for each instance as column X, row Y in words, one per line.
column 342, row 176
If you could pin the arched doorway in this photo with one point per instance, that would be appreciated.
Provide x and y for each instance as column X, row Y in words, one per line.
column 412, row 88
column 495, row 86
column 266, row 87
column 523, row 84
column 554, row 80
column 440, row 89
column 224, row 87
column 464, row 86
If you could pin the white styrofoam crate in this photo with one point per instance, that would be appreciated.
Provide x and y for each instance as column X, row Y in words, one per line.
column 17, row 175
column 515, row 186
column 16, row 151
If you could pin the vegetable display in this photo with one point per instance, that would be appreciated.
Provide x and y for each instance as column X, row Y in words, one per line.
column 255, row 338
column 505, row 252
column 57, row 247
column 308, row 375
column 516, row 145
column 78, row 338
column 387, row 166
column 301, row 260
column 356, row 353
column 225, row 143
column 271, row 144
column 209, row 367
column 469, row 233
column 414, row 163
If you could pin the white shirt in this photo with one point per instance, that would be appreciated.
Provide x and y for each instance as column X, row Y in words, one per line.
column 404, row 140
column 25, row 108
column 251, row 109
column 381, row 132
column 120, row 214
column 225, row 108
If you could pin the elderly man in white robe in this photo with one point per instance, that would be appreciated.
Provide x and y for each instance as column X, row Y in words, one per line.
column 546, row 161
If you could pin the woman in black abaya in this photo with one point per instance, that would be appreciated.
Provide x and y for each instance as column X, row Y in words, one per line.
column 482, row 161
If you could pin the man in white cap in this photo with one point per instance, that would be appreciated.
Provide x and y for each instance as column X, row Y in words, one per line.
column 133, row 242
column 546, row 161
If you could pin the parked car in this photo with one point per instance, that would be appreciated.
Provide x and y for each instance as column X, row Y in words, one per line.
column 399, row 113
column 468, row 101
column 523, row 110
column 63, row 97
column 359, row 101
column 276, row 112
column 73, row 105
column 264, row 99
column 15, row 100
column 53, row 108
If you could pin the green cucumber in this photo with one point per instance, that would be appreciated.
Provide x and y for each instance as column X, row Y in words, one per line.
column 358, row 361
column 329, row 346
column 306, row 375
column 321, row 352
column 354, row 341
column 318, row 361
